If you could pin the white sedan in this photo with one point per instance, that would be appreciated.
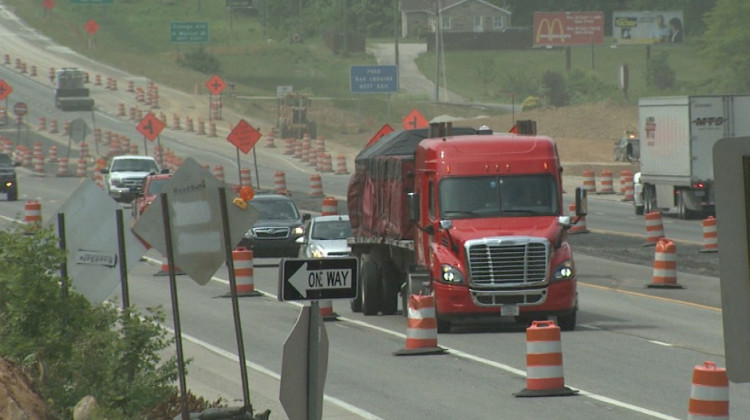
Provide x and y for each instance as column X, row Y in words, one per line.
column 325, row 236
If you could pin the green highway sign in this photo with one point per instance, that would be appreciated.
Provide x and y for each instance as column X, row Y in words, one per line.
column 92, row 1
column 188, row 32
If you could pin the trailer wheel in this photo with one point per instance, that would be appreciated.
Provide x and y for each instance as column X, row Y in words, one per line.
column 389, row 287
column 683, row 212
column 648, row 199
column 370, row 288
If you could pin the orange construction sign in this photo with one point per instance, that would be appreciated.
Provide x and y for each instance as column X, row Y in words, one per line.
column 415, row 120
column 244, row 136
column 385, row 129
column 150, row 126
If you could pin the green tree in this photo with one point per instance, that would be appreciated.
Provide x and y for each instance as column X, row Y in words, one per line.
column 725, row 45
column 658, row 72
column 74, row 348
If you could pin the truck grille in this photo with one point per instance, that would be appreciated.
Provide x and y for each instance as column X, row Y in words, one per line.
column 132, row 183
column 271, row 232
column 507, row 262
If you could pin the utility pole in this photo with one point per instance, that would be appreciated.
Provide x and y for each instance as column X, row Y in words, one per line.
column 395, row 39
column 438, row 24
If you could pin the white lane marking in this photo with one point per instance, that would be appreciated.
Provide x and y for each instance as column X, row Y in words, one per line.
column 660, row 343
column 463, row 355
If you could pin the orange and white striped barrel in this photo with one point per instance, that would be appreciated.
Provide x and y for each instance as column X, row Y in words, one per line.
column 85, row 150
column 131, row 86
column 320, row 144
column 625, row 177
column 544, row 361
column 279, row 182
column 52, row 154
column 133, row 149
column 53, row 126
column 176, row 122
column 316, row 185
column 654, row 227
column 39, row 163
column 606, row 182
column 99, row 179
column 32, row 213
column 312, row 157
column 97, row 79
column 709, row 393
column 244, row 274
column 305, row 153
column 325, row 164
column 42, row 126
column 589, row 181
column 326, row 309
column 62, row 167
column 580, row 226
column 245, row 176
column 81, row 168
column 26, row 160
column 189, row 124
column 164, row 270
column 212, row 129
column 710, row 235
column 297, row 149
column 665, row 265
column 201, row 127
column 421, row 327
column 33, row 72
column 289, row 145
column 330, row 207
column 341, row 165
column 269, row 141
column 219, row 172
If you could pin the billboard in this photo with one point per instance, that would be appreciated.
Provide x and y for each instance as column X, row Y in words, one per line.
column 654, row 27
column 568, row 28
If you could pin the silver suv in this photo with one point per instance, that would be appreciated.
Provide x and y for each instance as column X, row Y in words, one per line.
column 126, row 173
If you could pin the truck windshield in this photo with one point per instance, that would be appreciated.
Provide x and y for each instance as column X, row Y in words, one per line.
column 134, row 165
column 498, row 196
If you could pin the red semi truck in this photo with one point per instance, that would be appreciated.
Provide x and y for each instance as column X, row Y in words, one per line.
column 476, row 219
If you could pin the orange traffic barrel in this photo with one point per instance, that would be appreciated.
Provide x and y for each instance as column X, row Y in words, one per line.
column 709, row 393
column 421, row 327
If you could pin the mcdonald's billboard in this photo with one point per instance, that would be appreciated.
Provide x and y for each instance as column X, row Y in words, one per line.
column 568, row 28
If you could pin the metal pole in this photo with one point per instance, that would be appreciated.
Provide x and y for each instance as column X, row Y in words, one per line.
column 312, row 362
column 235, row 304
column 239, row 165
column 63, row 246
column 175, row 307
column 255, row 162
column 123, row 259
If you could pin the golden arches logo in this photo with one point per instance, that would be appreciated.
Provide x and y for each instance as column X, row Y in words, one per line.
column 550, row 27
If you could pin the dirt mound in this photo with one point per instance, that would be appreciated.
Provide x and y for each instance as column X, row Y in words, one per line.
column 17, row 397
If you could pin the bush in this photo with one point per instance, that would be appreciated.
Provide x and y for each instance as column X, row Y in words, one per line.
column 200, row 60
column 74, row 348
column 584, row 86
column 658, row 72
column 553, row 87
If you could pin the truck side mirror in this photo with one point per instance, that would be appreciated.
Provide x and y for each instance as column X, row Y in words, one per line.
column 582, row 204
column 412, row 206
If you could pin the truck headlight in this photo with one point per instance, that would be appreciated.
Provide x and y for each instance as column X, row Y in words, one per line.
column 564, row 271
column 450, row 274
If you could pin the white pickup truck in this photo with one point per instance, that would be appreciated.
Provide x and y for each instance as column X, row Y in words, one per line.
column 126, row 173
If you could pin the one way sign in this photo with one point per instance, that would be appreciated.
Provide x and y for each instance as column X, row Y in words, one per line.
column 318, row 279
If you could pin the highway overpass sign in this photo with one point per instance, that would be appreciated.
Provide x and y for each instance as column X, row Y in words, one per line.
column 373, row 79
column 318, row 279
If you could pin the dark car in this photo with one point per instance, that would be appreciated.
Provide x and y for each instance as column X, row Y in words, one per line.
column 8, row 182
column 275, row 233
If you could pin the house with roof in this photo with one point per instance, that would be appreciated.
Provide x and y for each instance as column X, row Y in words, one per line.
column 419, row 17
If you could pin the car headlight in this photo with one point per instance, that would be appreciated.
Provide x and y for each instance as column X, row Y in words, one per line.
column 298, row 231
column 316, row 251
column 564, row 271
column 450, row 274
column 117, row 183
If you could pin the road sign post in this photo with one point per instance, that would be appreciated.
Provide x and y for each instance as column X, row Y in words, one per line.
column 244, row 136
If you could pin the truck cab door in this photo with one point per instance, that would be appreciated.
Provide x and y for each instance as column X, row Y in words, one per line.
column 427, row 221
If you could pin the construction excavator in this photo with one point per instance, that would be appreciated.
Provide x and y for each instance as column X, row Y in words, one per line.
column 71, row 94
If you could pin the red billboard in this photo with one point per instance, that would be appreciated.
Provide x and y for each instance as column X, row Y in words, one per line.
column 568, row 28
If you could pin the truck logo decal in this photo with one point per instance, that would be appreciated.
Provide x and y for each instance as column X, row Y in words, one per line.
column 650, row 129
column 709, row 121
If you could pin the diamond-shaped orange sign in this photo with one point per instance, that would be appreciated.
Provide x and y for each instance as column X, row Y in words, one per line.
column 150, row 126
column 415, row 120
column 385, row 129
column 5, row 89
column 91, row 26
column 215, row 85
column 244, row 136
column 48, row 4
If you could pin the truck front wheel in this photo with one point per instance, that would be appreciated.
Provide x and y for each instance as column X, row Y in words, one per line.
column 371, row 290
column 567, row 322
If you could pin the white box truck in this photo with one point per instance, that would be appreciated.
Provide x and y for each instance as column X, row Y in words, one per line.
column 677, row 138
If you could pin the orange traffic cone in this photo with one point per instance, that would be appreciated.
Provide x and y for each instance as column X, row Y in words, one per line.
column 544, row 368
column 421, row 329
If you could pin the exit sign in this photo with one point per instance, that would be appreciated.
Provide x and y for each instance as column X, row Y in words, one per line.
column 188, row 32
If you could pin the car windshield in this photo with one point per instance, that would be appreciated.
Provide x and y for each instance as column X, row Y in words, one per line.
column 331, row 230
column 498, row 196
column 134, row 165
column 276, row 209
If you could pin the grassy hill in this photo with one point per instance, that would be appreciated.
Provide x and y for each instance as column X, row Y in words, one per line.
column 134, row 35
